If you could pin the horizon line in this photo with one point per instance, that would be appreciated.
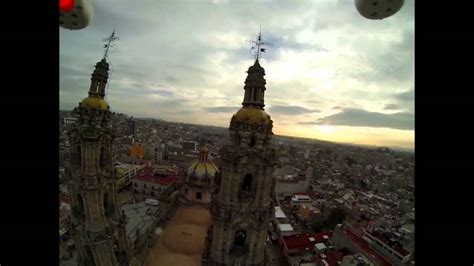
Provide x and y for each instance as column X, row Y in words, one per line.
column 403, row 149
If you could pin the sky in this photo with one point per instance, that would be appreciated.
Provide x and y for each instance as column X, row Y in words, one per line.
column 331, row 73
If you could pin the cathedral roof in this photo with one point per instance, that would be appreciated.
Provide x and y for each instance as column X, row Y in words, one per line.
column 253, row 115
column 202, row 169
column 95, row 102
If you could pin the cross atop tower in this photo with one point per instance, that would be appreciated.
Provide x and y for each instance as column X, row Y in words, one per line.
column 109, row 42
column 258, row 44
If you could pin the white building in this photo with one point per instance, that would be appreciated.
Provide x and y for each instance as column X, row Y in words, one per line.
column 126, row 173
column 279, row 214
column 69, row 120
column 296, row 200
column 285, row 229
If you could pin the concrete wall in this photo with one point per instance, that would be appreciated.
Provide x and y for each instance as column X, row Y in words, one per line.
column 192, row 192
column 140, row 187
column 287, row 187
column 385, row 252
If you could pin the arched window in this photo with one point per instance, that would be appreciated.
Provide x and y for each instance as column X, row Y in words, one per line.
column 239, row 240
column 108, row 208
column 218, row 181
column 97, row 86
column 247, row 184
column 198, row 195
column 89, row 259
column 252, row 141
column 78, row 156
column 103, row 159
column 79, row 209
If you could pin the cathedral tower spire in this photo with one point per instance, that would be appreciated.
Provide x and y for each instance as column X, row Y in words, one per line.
column 96, row 226
column 241, row 204
column 255, row 82
column 99, row 79
column 255, row 87
column 101, row 73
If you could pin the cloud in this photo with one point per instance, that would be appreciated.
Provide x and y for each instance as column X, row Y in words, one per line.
column 362, row 118
column 221, row 109
column 161, row 92
column 406, row 96
column 391, row 107
column 402, row 101
column 290, row 110
column 308, row 123
column 171, row 79
column 324, row 54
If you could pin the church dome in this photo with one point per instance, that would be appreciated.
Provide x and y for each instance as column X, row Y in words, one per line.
column 95, row 102
column 253, row 115
column 202, row 169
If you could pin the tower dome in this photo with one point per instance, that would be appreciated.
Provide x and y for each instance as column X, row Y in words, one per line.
column 202, row 170
column 252, row 115
column 199, row 183
column 95, row 102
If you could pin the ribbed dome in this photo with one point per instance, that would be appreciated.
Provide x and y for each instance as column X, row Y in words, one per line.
column 202, row 169
column 95, row 102
column 253, row 115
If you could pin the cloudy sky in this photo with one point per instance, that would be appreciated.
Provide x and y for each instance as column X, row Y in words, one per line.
column 331, row 74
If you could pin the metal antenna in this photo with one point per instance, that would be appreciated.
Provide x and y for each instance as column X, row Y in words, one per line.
column 258, row 44
column 109, row 43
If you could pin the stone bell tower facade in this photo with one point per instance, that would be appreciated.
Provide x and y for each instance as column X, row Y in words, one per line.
column 96, row 223
column 241, row 205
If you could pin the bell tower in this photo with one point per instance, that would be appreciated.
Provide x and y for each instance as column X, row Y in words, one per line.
column 241, row 205
column 96, row 223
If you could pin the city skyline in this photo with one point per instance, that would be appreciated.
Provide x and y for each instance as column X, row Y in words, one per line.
column 331, row 74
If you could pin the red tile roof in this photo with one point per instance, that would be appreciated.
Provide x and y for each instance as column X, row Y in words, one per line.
column 157, row 179
column 367, row 250
column 302, row 241
column 147, row 175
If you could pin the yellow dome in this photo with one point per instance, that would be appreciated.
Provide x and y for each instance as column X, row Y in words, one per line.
column 255, row 115
column 95, row 102
column 202, row 170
